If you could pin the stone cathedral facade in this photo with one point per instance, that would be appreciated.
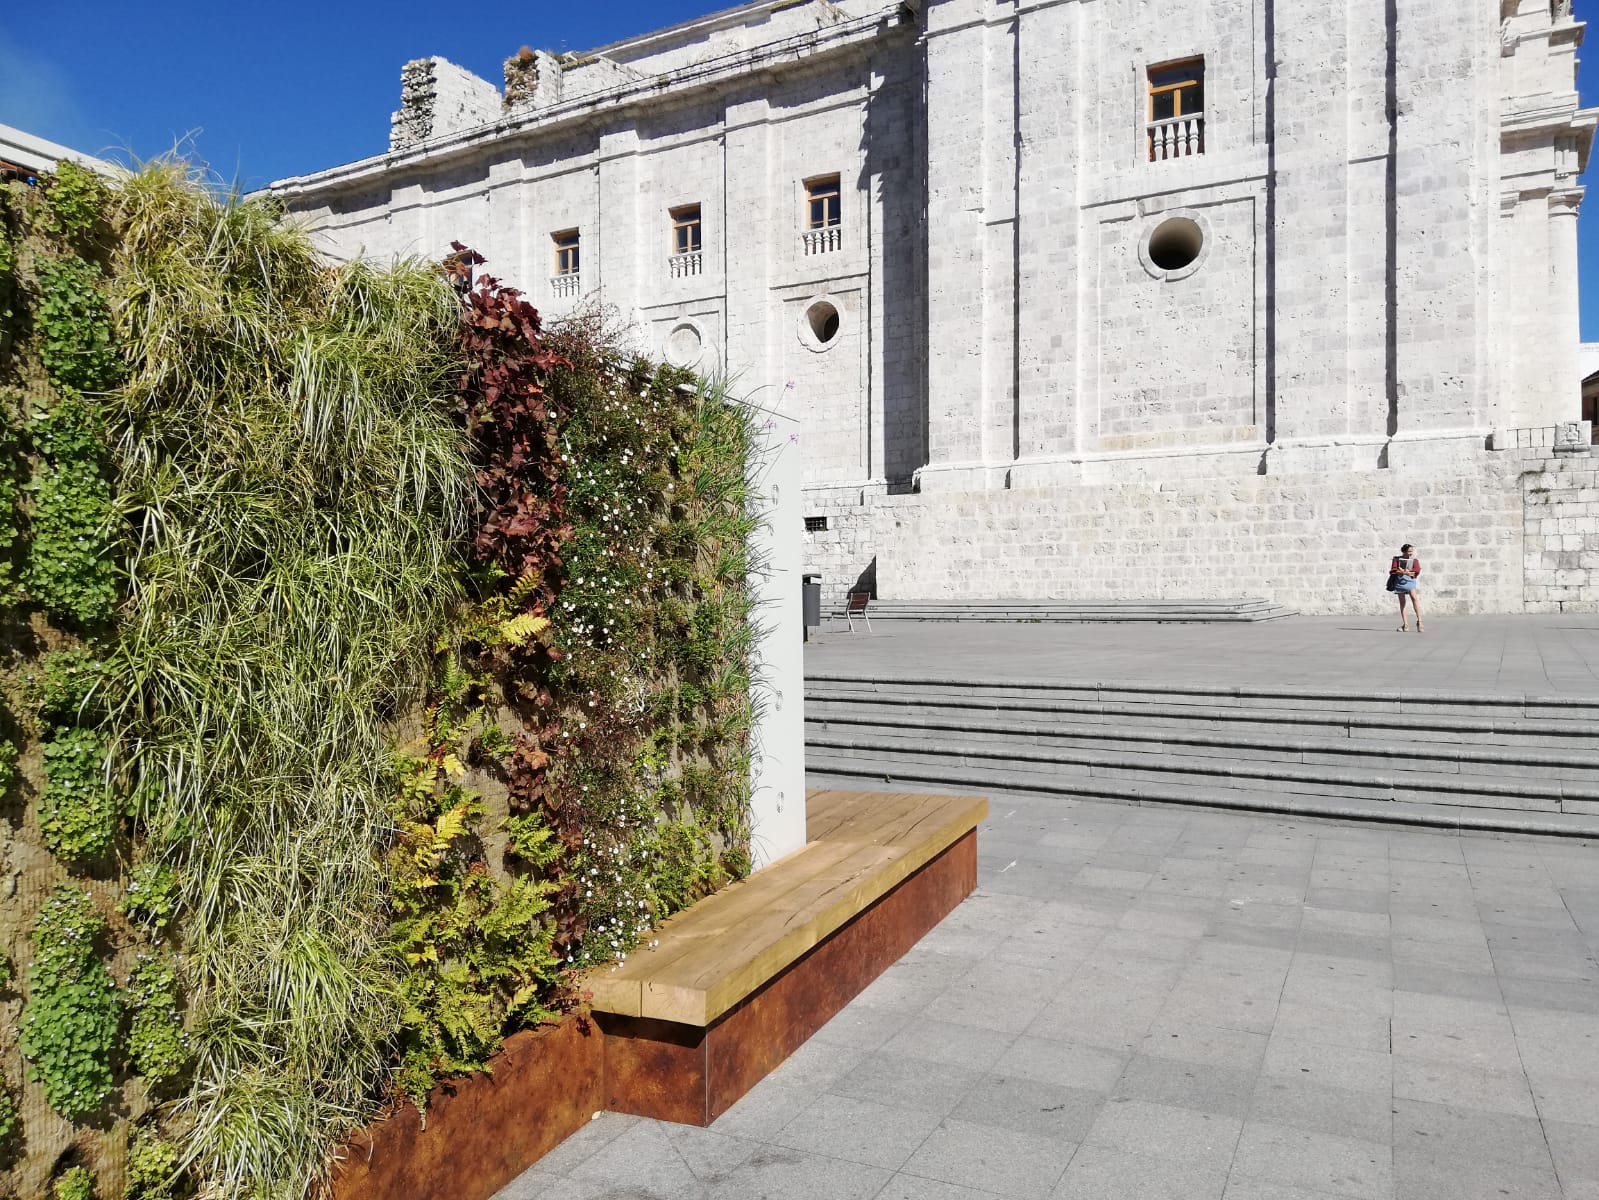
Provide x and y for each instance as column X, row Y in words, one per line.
column 1074, row 298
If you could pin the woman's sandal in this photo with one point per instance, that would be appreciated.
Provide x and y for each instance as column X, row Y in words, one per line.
column 1418, row 626
column 1403, row 629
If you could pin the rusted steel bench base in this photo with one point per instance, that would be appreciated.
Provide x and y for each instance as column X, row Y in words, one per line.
column 692, row 1074
column 482, row 1131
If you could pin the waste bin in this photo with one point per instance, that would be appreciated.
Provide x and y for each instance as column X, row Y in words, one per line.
column 811, row 589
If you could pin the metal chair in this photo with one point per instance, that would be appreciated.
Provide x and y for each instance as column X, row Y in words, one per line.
column 856, row 607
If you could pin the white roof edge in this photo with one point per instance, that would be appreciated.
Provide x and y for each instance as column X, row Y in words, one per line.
column 714, row 20
column 35, row 153
column 520, row 122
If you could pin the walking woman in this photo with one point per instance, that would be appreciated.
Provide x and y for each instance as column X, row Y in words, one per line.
column 1403, row 576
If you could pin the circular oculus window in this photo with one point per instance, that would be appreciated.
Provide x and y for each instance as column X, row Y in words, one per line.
column 819, row 324
column 1174, row 248
column 684, row 344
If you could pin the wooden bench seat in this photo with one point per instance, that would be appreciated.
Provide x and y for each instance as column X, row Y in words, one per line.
column 743, row 977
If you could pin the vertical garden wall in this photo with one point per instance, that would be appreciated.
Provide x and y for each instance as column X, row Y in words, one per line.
column 375, row 660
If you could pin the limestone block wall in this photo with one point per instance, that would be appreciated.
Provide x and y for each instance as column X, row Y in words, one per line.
column 844, row 553
column 1507, row 531
column 1560, row 498
column 1176, row 359
column 1319, row 542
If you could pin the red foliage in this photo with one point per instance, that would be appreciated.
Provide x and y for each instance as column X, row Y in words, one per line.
column 513, row 423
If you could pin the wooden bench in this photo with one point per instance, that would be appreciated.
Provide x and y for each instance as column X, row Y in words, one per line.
column 741, row 979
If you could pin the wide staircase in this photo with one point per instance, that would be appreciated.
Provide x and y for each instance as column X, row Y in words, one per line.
column 1048, row 611
column 1448, row 759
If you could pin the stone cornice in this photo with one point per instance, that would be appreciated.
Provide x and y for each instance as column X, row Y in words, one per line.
column 774, row 57
column 1546, row 117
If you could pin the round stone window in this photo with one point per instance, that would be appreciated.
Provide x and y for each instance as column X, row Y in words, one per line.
column 684, row 344
column 822, row 318
column 1174, row 246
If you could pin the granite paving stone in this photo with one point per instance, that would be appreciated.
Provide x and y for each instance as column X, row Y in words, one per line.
column 1206, row 1140
column 1303, row 1104
column 863, row 1131
column 1267, row 1041
column 1442, row 1083
column 1008, row 1161
column 1207, row 1088
column 778, row 1173
column 1102, row 1173
column 1032, row 1106
column 1067, row 1063
column 1340, row 1165
column 909, row 1082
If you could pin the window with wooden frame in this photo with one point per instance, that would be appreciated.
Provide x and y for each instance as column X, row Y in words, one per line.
column 566, row 252
column 1176, row 114
column 686, row 229
column 823, row 202
column 1177, row 89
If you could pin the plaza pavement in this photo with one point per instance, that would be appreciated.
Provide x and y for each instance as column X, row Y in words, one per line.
column 1151, row 1003
column 1144, row 1003
column 1498, row 654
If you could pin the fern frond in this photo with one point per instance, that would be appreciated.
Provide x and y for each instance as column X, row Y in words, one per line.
column 524, row 588
column 517, row 630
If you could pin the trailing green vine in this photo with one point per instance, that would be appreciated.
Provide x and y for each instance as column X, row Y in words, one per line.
column 8, row 765
column 157, row 1044
column 76, row 201
column 69, row 1025
column 152, row 896
column 73, row 319
column 78, row 810
column 72, row 570
column 67, row 687
column 154, row 1167
column 76, row 1183
column 12, row 466
column 10, row 1121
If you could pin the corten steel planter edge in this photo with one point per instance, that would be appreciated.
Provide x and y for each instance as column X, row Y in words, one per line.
column 482, row 1131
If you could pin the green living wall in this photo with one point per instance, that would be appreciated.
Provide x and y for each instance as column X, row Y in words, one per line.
column 376, row 660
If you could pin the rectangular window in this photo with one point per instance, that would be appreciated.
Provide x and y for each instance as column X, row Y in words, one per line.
column 566, row 252
column 1176, row 120
column 686, row 229
column 822, row 202
column 1177, row 89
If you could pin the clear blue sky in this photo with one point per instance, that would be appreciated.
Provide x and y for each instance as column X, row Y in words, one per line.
column 268, row 90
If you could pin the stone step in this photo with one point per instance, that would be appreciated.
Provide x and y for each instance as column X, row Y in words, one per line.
column 1510, row 754
column 1164, row 721
column 1172, row 769
column 1463, row 757
column 1477, row 712
column 821, row 770
column 1096, row 611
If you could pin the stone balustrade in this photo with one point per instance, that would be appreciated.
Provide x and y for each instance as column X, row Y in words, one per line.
column 822, row 241
column 1176, row 137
